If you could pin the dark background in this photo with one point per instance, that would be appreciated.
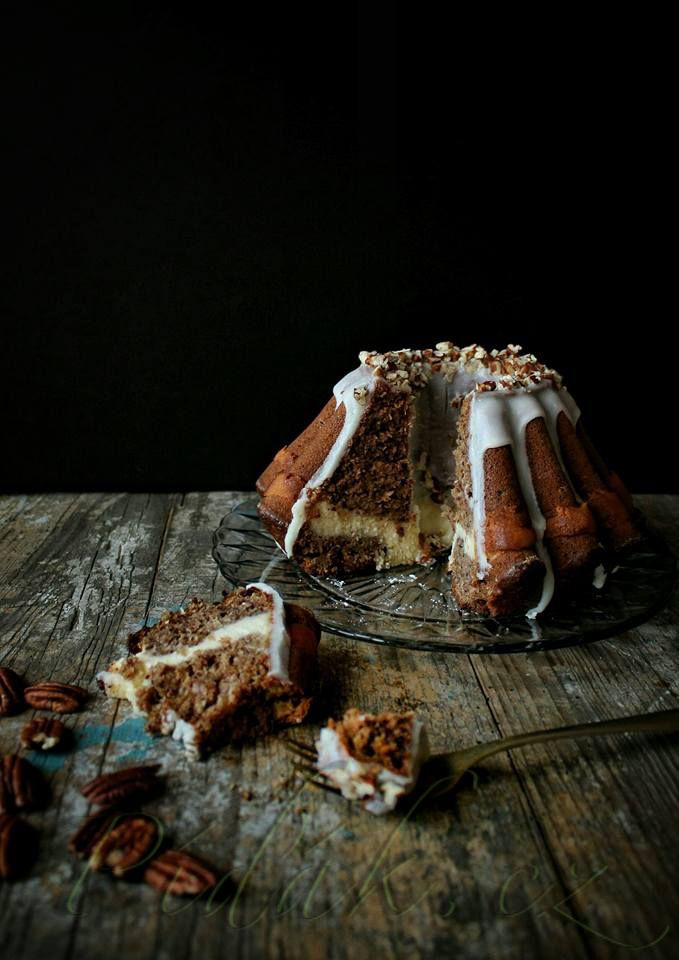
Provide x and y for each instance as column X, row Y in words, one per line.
column 207, row 218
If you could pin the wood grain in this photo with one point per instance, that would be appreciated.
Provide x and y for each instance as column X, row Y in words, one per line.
column 313, row 876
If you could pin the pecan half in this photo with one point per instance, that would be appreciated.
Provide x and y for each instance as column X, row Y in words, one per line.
column 17, row 846
column 179, row 873
column 11, row 692
column 93, row 829
column 43, row 733
column 58, row 697
column 21, row 785
column 123, row 786
column 126, row 845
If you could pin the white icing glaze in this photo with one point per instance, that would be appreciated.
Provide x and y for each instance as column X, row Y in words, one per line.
column 348, row 774
column 279, row 646
column 345, row 392
column 499, row 418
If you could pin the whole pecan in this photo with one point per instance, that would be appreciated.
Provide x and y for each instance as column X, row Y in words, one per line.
column 11, row 692
column 179, row 873
column 126, row 845
column 58, row 697
column 21, row 785
column 91, row 831
column 43, row 733
column 123, row 786
column 17, row 846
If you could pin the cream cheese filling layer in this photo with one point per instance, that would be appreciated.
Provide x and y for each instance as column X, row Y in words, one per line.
column 466, row 538
column 400, row 541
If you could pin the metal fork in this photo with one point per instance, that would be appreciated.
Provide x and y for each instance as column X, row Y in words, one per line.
column 443, row 771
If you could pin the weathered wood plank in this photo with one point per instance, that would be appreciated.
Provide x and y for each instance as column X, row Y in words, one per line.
column 604, row 804
column 111, row 561
column 85, row 582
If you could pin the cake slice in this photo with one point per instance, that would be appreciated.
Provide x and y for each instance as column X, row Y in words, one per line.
column 216, row 672
column 374, row 758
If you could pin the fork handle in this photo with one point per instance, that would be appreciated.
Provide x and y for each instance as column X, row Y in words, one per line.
column 663, row 721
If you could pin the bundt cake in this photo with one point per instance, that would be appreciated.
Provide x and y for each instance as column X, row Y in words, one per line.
column 481, row 455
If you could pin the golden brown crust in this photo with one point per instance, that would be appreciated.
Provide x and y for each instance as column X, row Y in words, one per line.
column 604, row 494
column 281, row 483
column 570, row 531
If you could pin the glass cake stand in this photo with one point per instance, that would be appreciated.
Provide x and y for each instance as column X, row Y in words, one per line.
column 412, row 607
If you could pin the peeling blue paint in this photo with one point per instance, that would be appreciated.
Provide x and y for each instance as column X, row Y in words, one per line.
column 131, row 731
column 48, row 762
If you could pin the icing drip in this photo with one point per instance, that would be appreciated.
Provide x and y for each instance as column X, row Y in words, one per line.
column 363, row 378
column 279, row 646
column 498, row 419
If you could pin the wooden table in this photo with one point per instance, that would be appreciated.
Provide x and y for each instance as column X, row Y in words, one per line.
column 565, row 849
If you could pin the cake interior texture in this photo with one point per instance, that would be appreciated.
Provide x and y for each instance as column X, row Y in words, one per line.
column 478, row 456
column 374, row 758
column 216, row 672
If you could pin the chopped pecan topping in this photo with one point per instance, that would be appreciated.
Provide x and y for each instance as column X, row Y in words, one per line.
column 93, row 829
column 179, row 873
column 17, row 846
column 11, row 692
column 43, row 733
column 123, row 786
column 58, row 697
column 124, row 847
column 21, row 785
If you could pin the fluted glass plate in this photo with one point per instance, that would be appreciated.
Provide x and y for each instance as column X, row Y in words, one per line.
column 411, row 606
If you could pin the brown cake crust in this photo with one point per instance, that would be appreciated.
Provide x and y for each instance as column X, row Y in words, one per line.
column 601, row 490
column 570, row 533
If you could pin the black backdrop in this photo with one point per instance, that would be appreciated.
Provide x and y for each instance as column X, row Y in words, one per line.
column 209, row 218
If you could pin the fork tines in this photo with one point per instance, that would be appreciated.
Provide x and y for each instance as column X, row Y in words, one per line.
column 301, row 749
column 312, row 776
column 306, row 764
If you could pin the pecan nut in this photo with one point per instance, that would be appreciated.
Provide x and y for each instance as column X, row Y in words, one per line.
column 93, row 829
column 126, row 846
column 17, row 846
column 58, row 697
column 123, row 786
column 11, row 692
column 22, row 786
column 43, row 733
column 179, row 873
